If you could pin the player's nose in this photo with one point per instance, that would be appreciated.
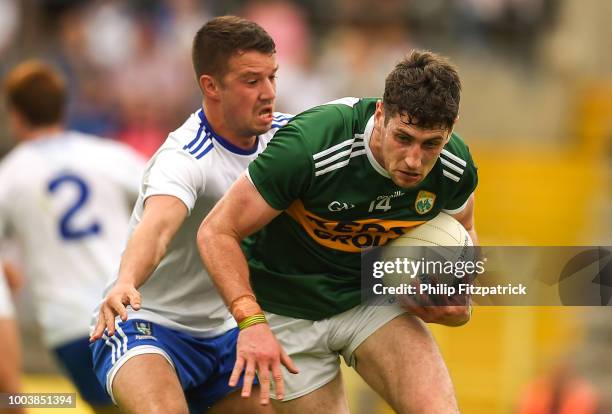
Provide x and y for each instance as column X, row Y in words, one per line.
column 412, row 157
column 268, row 91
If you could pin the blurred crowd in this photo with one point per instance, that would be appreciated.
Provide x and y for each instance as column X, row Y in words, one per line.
column 129, row 69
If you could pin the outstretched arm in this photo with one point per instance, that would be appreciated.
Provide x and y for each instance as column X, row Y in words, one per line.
column 161, row 219
column 240, row 212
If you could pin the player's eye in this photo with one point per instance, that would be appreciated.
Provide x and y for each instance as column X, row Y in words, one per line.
column 252, row 81
column 403, row 138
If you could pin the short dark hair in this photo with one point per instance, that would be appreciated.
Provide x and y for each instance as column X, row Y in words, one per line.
column 222, row 37
column 37, row 91
column 424, row 87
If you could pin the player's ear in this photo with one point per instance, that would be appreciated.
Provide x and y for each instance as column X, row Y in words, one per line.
column 209, row 86
column 379, row 114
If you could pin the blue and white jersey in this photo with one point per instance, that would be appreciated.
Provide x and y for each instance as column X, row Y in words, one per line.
column 66, row 200
column 6, row 304
column 197, row 166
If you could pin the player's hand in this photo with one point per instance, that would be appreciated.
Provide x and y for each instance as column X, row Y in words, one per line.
column 258, row 350
column 115, row 302
column 446, row 310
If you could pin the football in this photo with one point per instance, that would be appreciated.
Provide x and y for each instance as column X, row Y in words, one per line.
column 435, row 250
column 442, row 230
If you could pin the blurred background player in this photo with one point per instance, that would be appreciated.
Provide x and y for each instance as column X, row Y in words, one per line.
column 65, row 198
column 10, row 367
column 174, row 326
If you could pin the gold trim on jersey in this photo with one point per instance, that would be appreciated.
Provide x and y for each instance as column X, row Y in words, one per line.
column 348, row 235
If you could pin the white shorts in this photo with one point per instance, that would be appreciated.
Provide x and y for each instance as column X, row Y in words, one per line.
column 315, row 346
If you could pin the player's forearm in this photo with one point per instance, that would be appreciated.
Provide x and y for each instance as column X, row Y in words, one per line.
column 226, row 265
column 10, row 369
column 474, row 236
column 145, row 250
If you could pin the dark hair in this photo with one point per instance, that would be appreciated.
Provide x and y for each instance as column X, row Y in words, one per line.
column 222, row 37
column 37, row 91
column 425, row 88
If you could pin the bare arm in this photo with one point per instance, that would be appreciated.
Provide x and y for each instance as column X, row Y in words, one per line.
column 161, row 219
column 240, row 212
column 466, row 218
column 10, row 368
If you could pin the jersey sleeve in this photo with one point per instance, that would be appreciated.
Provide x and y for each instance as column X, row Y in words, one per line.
column 465, row 187
column 174, row 173
column 283, row 171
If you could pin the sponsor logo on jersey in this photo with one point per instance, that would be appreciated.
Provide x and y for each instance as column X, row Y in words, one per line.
column 349, row 235
column 339, row 206
column 144, row 328
column 424, row 202
column 395, row 194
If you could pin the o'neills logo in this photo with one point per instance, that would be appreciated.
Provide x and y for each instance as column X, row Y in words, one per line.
column 348, row 236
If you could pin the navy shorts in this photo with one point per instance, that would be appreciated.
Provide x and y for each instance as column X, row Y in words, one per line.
column 76, row 359
column 203, row 365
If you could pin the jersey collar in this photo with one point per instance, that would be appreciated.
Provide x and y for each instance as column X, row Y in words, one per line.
column 225, row 143
column 367, row 134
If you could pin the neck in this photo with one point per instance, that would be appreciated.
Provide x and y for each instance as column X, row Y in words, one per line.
column 222, row 127
column 33, row 133
column 374, row 144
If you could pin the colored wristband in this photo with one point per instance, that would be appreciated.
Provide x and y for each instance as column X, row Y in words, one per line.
column 252, row 320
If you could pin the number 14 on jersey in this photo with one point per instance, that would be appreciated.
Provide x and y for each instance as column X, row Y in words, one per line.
column 384, row 204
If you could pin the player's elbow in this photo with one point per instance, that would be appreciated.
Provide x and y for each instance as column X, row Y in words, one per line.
column 204, row 235
column 209, row 231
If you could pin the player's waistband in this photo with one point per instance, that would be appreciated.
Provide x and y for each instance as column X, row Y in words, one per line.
column 207, row 328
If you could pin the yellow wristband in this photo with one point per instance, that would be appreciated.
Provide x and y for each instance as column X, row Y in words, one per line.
column 252, row 320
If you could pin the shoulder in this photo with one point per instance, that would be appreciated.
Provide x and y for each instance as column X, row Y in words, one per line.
column 457, row 148
column 334, row 123
column 456, row 160
column 279, row 120
column 193, row 137
column 20, row 157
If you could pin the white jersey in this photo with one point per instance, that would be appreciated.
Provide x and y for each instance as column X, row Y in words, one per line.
column 66, row 199
column 197, row 166
column 6, row 304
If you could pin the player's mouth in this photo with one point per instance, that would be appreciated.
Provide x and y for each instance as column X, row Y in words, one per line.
column 266, row 114
column 412, row 177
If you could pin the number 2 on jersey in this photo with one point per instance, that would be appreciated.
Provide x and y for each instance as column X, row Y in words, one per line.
column 67, row 230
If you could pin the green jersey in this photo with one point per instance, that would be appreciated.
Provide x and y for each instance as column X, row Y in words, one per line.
column 337, row 200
